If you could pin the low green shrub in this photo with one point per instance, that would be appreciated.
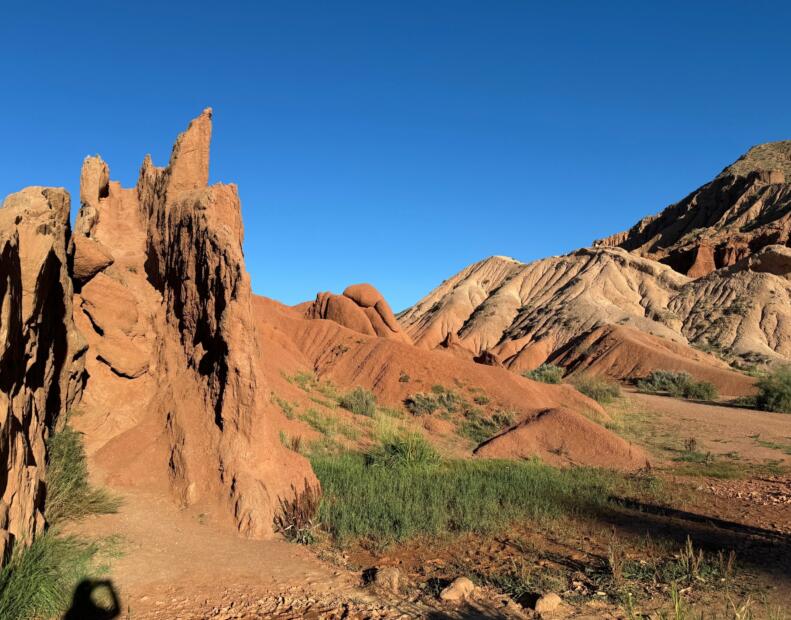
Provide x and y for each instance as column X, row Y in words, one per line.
column 600, row 389
column 678, row 384
column 774, row 390
column 546, row 373
column 359, row 401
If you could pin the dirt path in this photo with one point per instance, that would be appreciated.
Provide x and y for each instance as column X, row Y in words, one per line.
column 757, row 436
column 175, row 565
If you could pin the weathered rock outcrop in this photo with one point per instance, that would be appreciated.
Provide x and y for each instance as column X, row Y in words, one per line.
column 361, row 308
column 41, row 354
column 174, row 397
column 558, row 310
column 746, row 208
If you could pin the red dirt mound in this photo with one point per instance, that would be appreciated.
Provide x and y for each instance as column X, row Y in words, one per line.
column 349, row 358
column 625, row 353
column 563, row 437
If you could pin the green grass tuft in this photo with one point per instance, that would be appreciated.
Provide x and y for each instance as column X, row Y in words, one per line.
column 69, row 495
column 546, row 373
column 600, row 389
column 359, row 401
column 39, row 580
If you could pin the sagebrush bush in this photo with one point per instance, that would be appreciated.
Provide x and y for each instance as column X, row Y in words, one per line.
column 774, row 390
column 678, row 384
column 546, row 373
column 600, row 389
column 359, row 401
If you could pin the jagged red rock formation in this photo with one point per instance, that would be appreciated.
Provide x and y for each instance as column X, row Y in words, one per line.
column 174, row 399
column 746, row 208
column 41, row 354
column 360, row 308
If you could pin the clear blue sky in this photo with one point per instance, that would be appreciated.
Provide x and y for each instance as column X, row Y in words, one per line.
column 396, row 142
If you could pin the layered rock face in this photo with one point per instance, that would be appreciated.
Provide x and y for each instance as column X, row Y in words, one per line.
column 746, row 208
column 41, row 354
column 173, row 400
column 555, row 309
column 360, row 308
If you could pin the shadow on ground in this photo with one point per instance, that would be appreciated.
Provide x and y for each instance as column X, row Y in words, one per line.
column 94, row 600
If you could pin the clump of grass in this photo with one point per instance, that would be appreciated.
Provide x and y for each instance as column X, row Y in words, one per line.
column 600, row 389
column 39, row 579
column 328, row 425
column 421, row 404
column 286, row 407
column 481, row 399
column 678, row 384
column 408, row 449
column 546, row 373
column 478, row 427
column 304, row 380
column 774, row 390
column 296, row 517
column 389, row 504
column 69, row 495
column 403, row 377
column 359, row 401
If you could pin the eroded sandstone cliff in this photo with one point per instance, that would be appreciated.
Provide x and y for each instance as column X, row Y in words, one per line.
column 174, row 400
column 41, row 354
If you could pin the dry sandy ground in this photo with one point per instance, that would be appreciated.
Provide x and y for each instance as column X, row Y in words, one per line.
column 718, row 429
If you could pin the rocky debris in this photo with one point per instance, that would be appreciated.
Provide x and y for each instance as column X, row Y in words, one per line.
column 564, row 437
column 360, row 308
column 173, row 400
column 548, row 603
column 41, row 353
column 743, row 210
column 770, row 491
column 461, row 589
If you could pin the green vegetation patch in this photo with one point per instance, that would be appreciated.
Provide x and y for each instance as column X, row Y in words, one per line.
column 478, row 427
column 600, row 389
column 678, row 384
column 69, row 495
column 774, row 390
column 359, row 401
column 394, row 503
column 546, row 373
